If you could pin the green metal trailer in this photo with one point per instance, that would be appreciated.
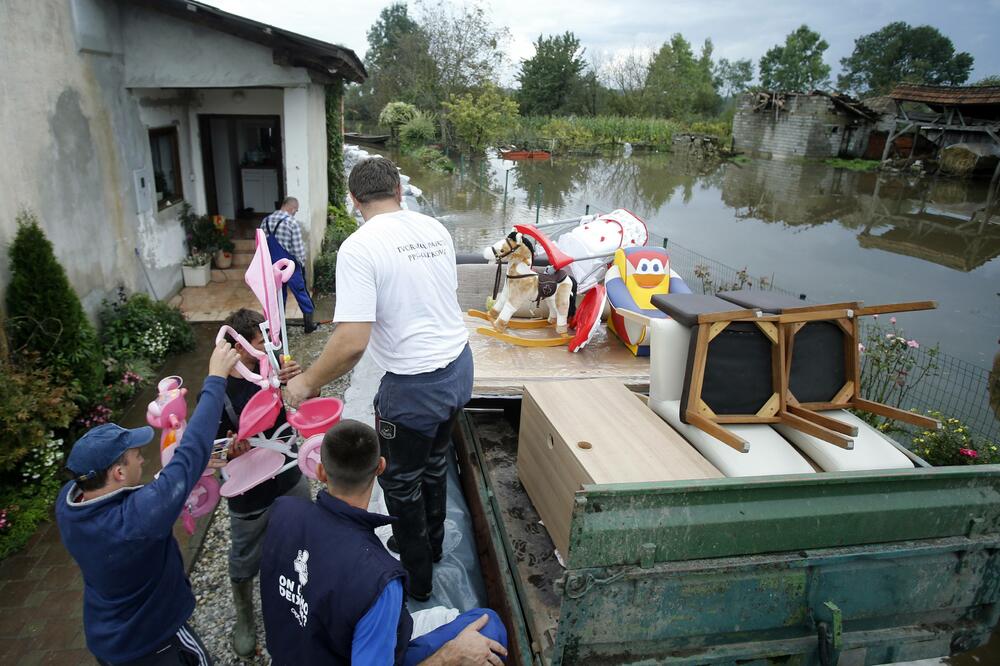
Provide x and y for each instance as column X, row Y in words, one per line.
column 831, row 568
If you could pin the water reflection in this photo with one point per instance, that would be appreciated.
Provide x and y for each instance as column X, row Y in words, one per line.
column 943, row 221
column 832, row 234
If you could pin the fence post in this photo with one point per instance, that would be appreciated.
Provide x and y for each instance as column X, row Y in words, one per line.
column 538, row 203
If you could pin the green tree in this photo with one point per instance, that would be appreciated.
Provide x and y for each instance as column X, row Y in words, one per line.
column 798, row 64
column 992, row 80
column 467, row 50
column 480, row 118
column 399, row 65
column 734, row 76
column 395, row 115
column 677, row 83
column 44, row 314
column 551, row 76
column 901, row 53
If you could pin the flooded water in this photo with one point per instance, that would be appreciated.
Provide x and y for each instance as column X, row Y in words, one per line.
column 831, row 234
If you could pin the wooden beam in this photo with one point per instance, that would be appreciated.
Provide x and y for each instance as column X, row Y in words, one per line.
column 729, row 315
column 818, row 431
column 818, row 315
column 911, row 306
column 725, row 436
column 894, row 413
column 824, row 421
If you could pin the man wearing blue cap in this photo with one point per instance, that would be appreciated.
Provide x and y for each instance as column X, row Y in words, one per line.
column 137, row 598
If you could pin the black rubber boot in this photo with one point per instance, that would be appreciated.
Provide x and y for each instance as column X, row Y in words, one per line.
column 405, row 452
column 307, row 322
column 394, row 548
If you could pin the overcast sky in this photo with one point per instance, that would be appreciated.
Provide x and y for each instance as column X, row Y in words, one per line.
column 738, row 28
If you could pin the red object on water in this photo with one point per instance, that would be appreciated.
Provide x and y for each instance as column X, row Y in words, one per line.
column 260, row 413
column 316, row 415
column 525, row 154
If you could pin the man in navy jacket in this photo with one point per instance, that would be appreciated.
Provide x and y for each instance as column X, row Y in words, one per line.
column 330, row 591
column 137, row 598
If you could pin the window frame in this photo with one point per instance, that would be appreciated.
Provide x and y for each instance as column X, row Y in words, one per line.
column 169, row 131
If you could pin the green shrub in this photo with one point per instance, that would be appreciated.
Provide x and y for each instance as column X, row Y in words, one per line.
column 33, row 401
column 418, row 131
column 44, row 314
column 953, row 445
column 339, row 225
column 23, row 507
column 433, row 159
column 138, row 328
column 396, row 114
column 201, row 234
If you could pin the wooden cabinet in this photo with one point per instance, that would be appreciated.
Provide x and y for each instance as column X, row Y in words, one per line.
column 260, row 189
column 594, row 431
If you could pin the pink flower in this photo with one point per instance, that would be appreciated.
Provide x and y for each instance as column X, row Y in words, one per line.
column 969, row 453
column 861, row 348
column 875, row 316
column 913, row 344
column 889, row 336
column 892, row 320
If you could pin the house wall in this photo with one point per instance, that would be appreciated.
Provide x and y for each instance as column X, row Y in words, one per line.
column 305, row 160
column 69, row 140
column 809, row 126
column 164, row 52
column 82, row 83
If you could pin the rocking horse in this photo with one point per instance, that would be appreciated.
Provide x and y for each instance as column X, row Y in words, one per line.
column 524, row 286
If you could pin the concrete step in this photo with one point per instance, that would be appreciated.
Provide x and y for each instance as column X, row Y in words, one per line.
column 245, row 245
column 228, row 275
column 242, row 259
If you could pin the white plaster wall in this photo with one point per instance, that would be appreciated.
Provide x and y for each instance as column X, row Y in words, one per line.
column 304, row 132
column 160, row 51
column 61, row 135
column 161, row 237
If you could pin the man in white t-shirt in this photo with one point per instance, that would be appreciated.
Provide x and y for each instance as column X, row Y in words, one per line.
column 396, row 297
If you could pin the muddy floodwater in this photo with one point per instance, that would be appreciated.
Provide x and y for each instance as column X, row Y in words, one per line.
column 831, row 234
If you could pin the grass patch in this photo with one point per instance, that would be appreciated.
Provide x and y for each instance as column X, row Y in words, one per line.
column 739, row 159
column 852, row 165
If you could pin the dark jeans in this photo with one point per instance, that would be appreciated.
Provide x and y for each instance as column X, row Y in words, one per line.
column 414, row 416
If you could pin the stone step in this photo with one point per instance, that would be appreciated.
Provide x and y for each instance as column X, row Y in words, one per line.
column 228, row 275
column 245, row 245
column 242, row 259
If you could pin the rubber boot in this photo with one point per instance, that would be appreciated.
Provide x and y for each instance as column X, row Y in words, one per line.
column 307, row 322
column 406, row 452
column 245, row 630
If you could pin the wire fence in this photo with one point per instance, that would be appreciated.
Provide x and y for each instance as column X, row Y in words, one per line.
column 955, row 388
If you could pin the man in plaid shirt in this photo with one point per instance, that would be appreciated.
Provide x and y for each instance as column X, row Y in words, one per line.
column 284, row 240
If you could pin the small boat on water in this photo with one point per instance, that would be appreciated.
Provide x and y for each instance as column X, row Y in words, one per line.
column 514, row 154
column 377, row 139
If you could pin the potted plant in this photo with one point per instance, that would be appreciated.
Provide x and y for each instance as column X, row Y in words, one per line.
column 197, row 270
column 224, row 250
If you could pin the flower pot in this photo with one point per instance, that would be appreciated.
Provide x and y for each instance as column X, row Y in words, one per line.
column 223, row 259
column 196, row 276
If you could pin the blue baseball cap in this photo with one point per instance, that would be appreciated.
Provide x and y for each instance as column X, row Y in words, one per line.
column 103, row 445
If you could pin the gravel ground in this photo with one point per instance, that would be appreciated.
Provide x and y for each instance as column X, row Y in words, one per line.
column 214, row 614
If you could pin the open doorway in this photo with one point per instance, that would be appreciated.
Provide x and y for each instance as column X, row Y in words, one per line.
column 242, row 166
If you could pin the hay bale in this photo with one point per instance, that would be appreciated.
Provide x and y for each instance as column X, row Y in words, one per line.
column 967, row 159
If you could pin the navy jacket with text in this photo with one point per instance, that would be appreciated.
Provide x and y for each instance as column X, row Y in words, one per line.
column 322, row 569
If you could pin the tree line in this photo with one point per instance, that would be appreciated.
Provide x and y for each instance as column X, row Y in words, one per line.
column 444, row 53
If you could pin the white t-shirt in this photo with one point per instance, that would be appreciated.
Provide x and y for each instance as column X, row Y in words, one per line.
column 398, row 271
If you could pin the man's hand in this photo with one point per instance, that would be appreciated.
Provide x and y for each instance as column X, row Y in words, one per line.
column 236, row 447
column 224, row 357
column 298, row 389
column 469, row 647
column 288, row 370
